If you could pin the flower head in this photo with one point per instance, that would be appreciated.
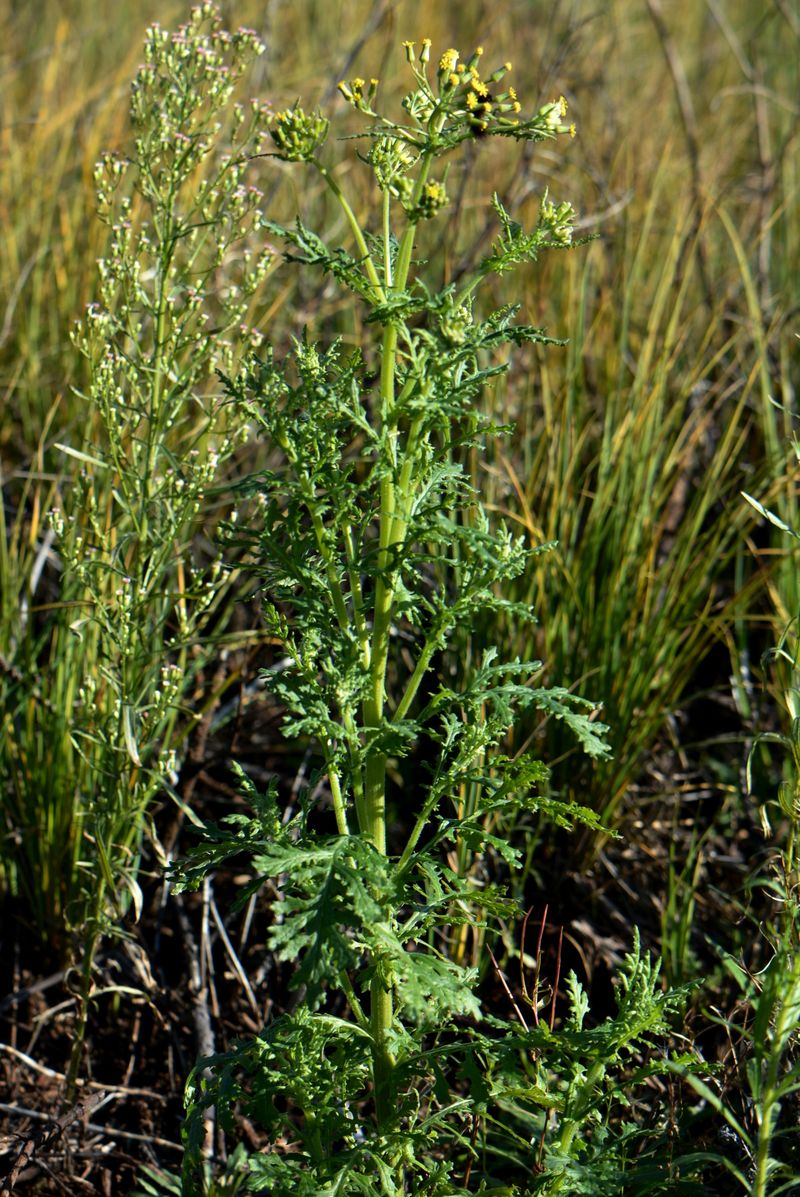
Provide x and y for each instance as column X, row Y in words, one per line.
column 447, row 63
column 298, row 134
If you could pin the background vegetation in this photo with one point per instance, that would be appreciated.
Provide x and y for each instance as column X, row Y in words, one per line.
column 675, row 393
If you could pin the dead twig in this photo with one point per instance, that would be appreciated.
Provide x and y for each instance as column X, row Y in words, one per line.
column 198, row 988
column 40, row 1140
column 98, row 1086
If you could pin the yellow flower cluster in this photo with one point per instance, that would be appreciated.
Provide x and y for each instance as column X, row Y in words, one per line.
column 353, row 91
column 554, row 114
column 464, row 94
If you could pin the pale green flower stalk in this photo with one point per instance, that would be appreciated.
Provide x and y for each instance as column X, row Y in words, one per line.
column 180, row 264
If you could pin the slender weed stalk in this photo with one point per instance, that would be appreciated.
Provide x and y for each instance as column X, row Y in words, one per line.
column 134, row 592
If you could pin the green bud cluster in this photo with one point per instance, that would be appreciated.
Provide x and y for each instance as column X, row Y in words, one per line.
column 298, row 134
column 556, row 221
column 390, row 159
column 455, row 324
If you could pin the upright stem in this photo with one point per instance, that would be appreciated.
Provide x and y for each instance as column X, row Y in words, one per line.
column 83, row 996
column 394, row 510
column 394, row 506
column 355, row 228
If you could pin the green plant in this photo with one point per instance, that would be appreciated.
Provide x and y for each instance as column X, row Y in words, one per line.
column 136, row 588
column 757, row 1101
column 374, row 554
column 770, row 1043
column 761, row 1108
column 157, row 1183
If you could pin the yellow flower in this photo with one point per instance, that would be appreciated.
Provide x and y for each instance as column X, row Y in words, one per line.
column 447, row 62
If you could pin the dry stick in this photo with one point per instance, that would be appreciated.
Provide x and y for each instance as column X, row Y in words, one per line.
column 523, row 986
column 234, row 960
column 553, row 1002
column 108, row 1132
column 35, row 1142
column 535, row 994
column 535, row 1003
column 206, row 953
column 689, row 121
column 554, row 998
column 96, row 1128
column 204, row 1032
column 504, row 983
column 476, row 1122
column 134, row 1043
column 791, row 18
column 114, row 1090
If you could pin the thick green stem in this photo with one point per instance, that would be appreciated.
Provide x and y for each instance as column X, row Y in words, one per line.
column 417, row 830
column 572, row 1125
column 393, row 514
column 394, row 506
column 414, row 682
column 338, row 801
column 381, row 1019
column 387, row 240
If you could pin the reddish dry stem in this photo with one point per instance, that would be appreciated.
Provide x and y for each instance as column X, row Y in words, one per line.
column 557, row 979
column 538, row 966
column 504, row 983
column 523, row 986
